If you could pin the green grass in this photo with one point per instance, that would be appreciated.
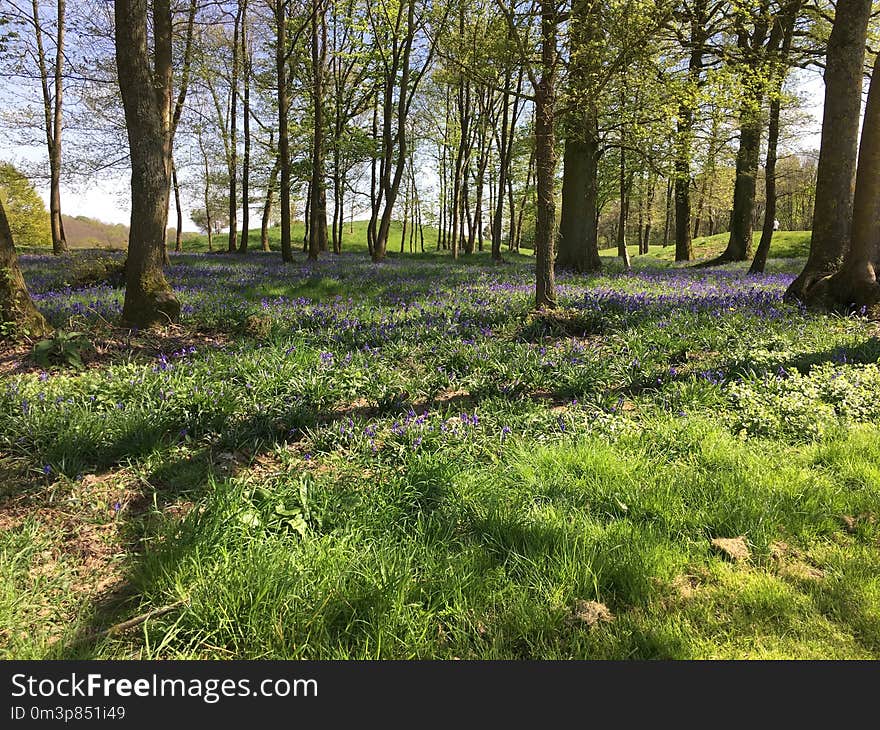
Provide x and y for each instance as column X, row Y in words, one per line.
column 412, row 465
column 785, row 245
column 354, row 238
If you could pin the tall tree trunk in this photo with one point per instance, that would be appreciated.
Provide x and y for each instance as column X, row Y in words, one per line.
column 624, row 182
column 146, row 99
column 307, row 217
column 178, row 234
column 739, row 246
column 16, row 305
column 669, row 209
column 209, row 222
column 246, row 111
column 395, row 147
column 458, row 174
column 835, row 181
column 856, row 285
column 374, row 190
column 649, row 212
column 283, row 126
column 545, row 162
column 503, row 168
column 684, row 139
column 578, row 235
column 52, row 111
column 233, row 136
column 318, row 207
column 267, row 205
column 760, row 260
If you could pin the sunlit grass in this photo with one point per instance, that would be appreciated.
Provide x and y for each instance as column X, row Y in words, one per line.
column 404, row 461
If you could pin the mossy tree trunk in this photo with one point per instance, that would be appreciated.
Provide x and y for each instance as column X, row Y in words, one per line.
column 16, row 306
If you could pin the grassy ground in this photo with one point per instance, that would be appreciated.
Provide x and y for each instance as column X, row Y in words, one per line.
column 785, row 245
column 353, row 461
column 354, row 238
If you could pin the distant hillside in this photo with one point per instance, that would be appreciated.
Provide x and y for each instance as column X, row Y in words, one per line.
column 83, row 232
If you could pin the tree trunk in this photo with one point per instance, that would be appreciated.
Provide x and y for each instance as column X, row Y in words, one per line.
column 545, row 162
column 649, row 212
column 669, row 209
column 739, row 246
column 246, row 111
column 283, row 127
column 318, row 207
column 146, row 99
column 267, row 205
column 835, row 181
column 52, row 111
column 233, row 137
column 578, row 235
column 625, row 183
column 16, row 305
column 855, row 285
column 178, row 234
column 209, row 223
column 760, row 260
column 683, row 242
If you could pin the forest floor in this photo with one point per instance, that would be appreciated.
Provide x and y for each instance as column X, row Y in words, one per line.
column 342, row 460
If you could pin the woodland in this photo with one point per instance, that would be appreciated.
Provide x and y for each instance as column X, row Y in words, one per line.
column 487, row 329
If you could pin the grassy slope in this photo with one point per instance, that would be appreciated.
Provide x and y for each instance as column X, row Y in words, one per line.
column 785, row 245
column 354, row 238
column 451, row 538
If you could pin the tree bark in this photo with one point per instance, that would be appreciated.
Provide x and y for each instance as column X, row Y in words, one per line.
column 146, row 99
column 267, row 205
column 683, row 242
column 835, row 181
column 233, row 136
column 739, row 246
column 178, row 234
column 53, row 115
column 578, row 234
column 760, row 260
column 318, row 188
column 625, row 183
column 283, row 127
column 856, row 285
column 545, row 162
column 246, row 111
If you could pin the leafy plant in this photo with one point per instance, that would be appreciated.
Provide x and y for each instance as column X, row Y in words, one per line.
column 274, row 513
column 63, row 348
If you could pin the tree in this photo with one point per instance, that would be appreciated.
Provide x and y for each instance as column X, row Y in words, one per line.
column 396, row 27
column 16, row 306
column 26, row 213
column 545, row 160
column 778, row 71
column 698, row 15
column 835, row 177
column 578, row 233
column 318, row 186
column 52, row 87
column 145, row 76
column 247, row 71
column 855, row 285
column 282, row 54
